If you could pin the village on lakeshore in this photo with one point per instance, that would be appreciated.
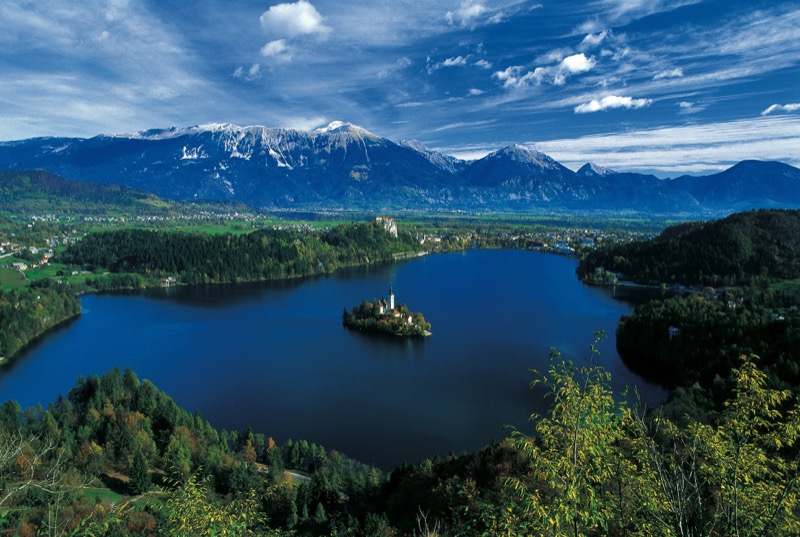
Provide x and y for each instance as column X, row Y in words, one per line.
column 384, row 316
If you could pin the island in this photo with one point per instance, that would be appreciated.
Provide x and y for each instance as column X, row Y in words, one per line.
column 383, row 316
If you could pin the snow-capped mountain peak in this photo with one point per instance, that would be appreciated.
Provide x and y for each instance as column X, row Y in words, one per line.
column 592, row 169
column 341, row 127
column 527, row 155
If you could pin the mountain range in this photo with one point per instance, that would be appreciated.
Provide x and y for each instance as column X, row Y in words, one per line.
column 342, row 166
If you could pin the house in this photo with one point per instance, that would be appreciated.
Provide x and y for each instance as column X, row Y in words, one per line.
column 22, row 267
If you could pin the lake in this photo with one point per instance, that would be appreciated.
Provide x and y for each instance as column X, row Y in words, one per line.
column 276, row 357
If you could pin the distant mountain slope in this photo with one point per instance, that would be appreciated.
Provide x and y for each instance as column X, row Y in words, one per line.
column 737, row 250
column 38, row 191
column 345, row 166
column 41, row 189
column 750, row 184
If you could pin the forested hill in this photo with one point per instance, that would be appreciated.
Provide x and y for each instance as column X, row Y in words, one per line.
column 262, row 255
column 117, row 457
column 742, row 249
column 38, row 191
column 27, row 313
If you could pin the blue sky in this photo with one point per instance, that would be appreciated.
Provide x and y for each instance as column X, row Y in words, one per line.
column 671, row 87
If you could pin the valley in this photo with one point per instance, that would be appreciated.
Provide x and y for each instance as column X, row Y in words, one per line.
column 270, row 273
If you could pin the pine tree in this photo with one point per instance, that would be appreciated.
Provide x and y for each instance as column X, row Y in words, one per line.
column 140, row 481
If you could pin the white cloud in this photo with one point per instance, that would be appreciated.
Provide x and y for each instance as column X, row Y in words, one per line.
column 593, row 40
column 483, row 64
column 302, row 123
column 684, row 149
column 252, row 73
column 687, row 108
column 794, row 107
column 512, row 77
column 467, row 13
column 463, row 125
column 515, row 77
column 497, row 18
column 474, row 13
column 622, row 12
column 610, row 102
column 476, row 92
column 277, row 49
column 300, row 18
column 577, row 63
column 553, row 56
column 674, row 73
column 589, row 26
column 458, row 61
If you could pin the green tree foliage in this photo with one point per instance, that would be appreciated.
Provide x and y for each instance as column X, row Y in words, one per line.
column 261, row 255
column 36, row 191
column 117, row 424
column 578, row 470
column 190, row 511
column 744, row 248
column 368, row 316
column 27, row 313
column 712, row 332
column 140, row 480
column 594, row 468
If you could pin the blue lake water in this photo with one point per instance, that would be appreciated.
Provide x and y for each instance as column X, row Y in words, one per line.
column 277, row 358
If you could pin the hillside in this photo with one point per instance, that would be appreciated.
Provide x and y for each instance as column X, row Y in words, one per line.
column 26, row 192
column 116, row 456
column 345, row 167
column 748, row 247
column 266, row 254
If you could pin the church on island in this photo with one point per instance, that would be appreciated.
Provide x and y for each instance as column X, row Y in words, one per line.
column 387, row 308
column 386, row 316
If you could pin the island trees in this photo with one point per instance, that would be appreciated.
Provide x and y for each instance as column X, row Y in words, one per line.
column 373, row 316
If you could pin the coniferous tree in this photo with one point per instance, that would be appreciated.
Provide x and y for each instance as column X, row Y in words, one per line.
column 140, row 480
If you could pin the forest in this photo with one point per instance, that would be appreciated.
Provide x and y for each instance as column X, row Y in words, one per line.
column 118, row 457
column 26, row 313
column 266, row 254
column 709, row 332
column 728, row 288
column 749, row 248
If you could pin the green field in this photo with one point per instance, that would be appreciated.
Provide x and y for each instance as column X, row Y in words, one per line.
column 11, row 278
column 790, row 288
column 102, row 494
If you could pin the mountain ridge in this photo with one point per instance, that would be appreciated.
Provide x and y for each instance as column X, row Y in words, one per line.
column 343, row 166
